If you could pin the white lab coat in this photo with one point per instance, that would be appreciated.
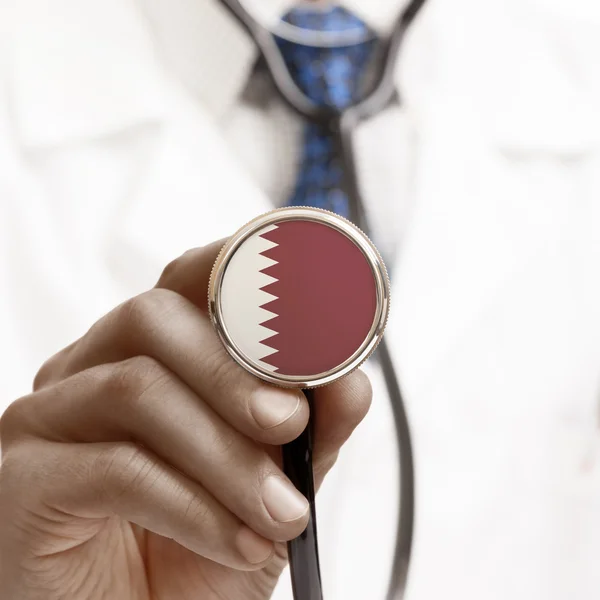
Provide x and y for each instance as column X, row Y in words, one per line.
column 128, row 133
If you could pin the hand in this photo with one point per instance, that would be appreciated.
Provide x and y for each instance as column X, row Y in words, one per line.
column 145, row 464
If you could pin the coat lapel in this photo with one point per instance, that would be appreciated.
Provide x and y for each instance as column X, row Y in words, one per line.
column 192, row 192
column 490, row 184
column 477, row 223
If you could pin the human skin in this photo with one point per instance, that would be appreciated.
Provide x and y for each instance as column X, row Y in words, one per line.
column 145, row 465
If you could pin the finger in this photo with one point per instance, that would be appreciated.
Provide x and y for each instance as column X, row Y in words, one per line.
column 140, row 401
column 63, row 483
column 187, row 275
column 339, row 409
column 169, row 328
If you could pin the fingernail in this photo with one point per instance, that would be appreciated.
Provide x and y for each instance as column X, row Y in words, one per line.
column 283, row 501
column 252, row 547
column 271, row 408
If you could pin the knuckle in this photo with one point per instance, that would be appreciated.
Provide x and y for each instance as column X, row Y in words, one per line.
column 53, row 368
column 141, row 311
column 228, row 378
column 133, row 379
column 197, row 509
column 9, row 466
column 136, row 310
column 11, row 471
column 19, row 465
column 172, row 271
column 44, row 374
column 123, row 470
column 224, row 370
column 13, row 420
column 179, row 272
column 225, row 443
column 169, row 271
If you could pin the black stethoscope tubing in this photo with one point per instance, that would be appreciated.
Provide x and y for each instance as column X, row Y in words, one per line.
column 303, row 553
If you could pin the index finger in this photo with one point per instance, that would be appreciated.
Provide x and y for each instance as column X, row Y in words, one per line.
column 189, row 274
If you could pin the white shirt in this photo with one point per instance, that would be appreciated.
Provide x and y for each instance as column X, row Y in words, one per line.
column 131, row 131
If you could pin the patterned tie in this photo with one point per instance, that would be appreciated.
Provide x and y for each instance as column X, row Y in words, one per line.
column 329, row 77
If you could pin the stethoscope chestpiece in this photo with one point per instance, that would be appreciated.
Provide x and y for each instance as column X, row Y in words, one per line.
column 299, row 297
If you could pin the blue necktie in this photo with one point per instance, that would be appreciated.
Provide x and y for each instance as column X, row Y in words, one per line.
column 329, row 77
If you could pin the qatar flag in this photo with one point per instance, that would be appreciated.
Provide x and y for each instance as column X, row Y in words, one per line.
column 298, row 298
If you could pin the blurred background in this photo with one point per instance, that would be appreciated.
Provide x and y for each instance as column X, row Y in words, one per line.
column 132, row 130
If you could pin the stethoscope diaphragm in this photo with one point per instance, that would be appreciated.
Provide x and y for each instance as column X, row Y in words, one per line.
column 300, row 297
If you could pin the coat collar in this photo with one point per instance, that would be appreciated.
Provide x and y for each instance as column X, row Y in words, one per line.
column 87, row 69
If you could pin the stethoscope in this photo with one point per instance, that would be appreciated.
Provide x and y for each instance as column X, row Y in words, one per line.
column 303, row 552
